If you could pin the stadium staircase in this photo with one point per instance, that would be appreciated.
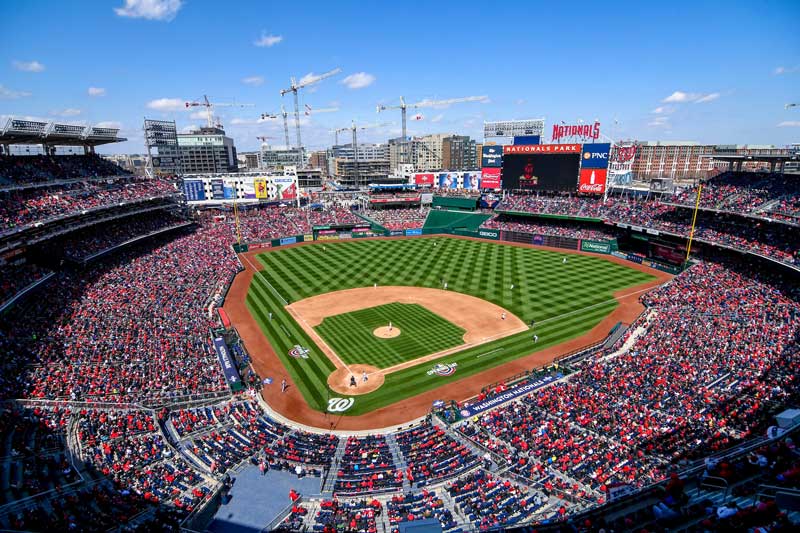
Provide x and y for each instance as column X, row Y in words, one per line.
column 461, row 439
column 399, row 460
column 330, row 479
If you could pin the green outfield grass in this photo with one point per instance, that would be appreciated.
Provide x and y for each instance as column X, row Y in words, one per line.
column 422, row 332
column 565, row 299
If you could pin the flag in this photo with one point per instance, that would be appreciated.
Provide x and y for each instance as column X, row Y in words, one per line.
column 267, row 381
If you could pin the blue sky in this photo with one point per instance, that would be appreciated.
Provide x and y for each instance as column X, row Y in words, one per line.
column 717, row 72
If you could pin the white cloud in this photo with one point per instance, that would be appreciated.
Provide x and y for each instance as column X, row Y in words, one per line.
column 789, row 124
column 202, row 115
column 785, row 70
column 248, row 121
column 707, row 98
column 359, row 80
column 150, row 9
column 109, row 124
column 167, row 104
column 69, row 112
column 28, row 66
column 10, row 94
column 659, row 122
column 190, row 128
column 265, row 41
column 680, row 97
column 255, row 81
column 659, row 110
column 520, row 101
column 96, row 91
column 438, row 118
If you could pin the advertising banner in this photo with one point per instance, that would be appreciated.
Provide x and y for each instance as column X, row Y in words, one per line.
column 489, row 233
column 544, row 167
column 598, row 247
column 285, row 187
column 527, row 139
column 395, row 233
column 492, row 156
column 229, row 189
column 424, row 179
column 308, row 237
column 260, row 185
column 489, row 201
column 448, row 180
column 490, row 178
column 226, row 362
column 217, row 191
column 595, row 155
column 479, row 407
column 194, row 190
column 411, row 232
column 288, row 240
column 593, row 180
column 248, row 189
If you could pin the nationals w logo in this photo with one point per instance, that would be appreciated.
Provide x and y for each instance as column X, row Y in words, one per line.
column 339, row 405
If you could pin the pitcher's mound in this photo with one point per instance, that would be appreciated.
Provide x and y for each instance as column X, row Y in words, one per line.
column 339, row 380
column 386, row 333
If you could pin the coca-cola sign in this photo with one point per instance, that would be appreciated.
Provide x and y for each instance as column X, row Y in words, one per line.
column 593, row 180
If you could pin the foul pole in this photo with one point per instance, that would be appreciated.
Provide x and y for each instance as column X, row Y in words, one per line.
column 694, row 220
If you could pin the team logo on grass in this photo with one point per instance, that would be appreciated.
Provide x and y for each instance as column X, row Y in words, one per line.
column 299, row 352
column 443, row 369
column 338, row 405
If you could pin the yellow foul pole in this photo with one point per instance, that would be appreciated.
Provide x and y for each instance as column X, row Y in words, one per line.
column 236, row 217
column 694, row 220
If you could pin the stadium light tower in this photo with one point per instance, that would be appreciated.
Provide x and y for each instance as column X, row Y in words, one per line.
column 424, row 103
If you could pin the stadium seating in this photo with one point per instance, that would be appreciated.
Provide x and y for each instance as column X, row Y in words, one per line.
column 399, row 219
column 15, row 170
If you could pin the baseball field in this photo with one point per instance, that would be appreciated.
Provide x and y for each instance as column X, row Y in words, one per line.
column 456, row 307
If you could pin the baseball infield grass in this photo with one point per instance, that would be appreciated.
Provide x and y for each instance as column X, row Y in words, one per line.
column 565, row 299
column 422, row 332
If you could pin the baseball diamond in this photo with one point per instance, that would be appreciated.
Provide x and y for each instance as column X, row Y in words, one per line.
column 351, row 334
column 565, row 300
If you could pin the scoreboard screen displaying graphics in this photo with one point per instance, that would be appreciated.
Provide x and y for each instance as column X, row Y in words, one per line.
column 541, row 170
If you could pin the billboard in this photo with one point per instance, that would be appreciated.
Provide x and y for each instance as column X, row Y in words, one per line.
column 229, row 189
column 544, row 167
column 527, row 139
column 492, row 156
column 285, row 187
column 490, row 178
column 472, row 181
column 194, row 190
column 595, row 155
column 260, row 185
column 217, row 190
column 593, row 180
column 448, row 180
column 423, row 179
column 248, row 189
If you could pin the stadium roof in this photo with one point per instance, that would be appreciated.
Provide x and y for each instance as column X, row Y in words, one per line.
column 21, row 131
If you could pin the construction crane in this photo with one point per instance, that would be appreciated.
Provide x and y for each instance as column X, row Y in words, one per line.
column 208, row 105
column 294, row 88
column 263, row 138
column 424, row 103
column 787, row 106
column 267, row 116
column 354, row 129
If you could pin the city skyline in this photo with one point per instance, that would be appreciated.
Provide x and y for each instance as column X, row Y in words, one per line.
column 645, row 73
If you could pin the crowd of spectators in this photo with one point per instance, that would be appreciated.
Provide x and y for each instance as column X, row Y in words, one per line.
column 335, row 516
column 489, row 502
column 367, row 467
column 14, row 278
column 22, row 209
column 400, row 219
column 41, row 168
column 332, row 216
column 562, row 228
column 719, row 350
column 261, row 224
column 86, row 242
column 432, row 455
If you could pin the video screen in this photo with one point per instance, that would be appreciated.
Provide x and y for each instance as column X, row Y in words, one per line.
column 544, row 172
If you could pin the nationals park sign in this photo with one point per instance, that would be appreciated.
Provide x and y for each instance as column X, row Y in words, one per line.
column 589, row 131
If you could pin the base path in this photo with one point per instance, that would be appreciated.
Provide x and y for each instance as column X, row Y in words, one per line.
column 339, row 380
column 293, row 406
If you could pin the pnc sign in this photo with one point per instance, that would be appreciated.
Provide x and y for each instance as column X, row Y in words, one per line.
column 595, row 155
column 591, row 131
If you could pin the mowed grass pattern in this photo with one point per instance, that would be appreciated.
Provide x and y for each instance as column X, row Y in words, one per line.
column 422, row 332
column 565, row 299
